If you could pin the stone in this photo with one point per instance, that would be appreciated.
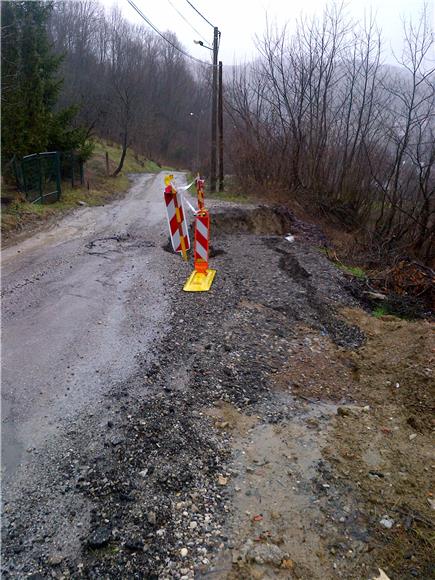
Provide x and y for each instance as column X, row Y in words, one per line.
column 352, row 410
column 55, row 560
column 265, row 554
column 100, row 537
column 152, row 519
column 387, row 522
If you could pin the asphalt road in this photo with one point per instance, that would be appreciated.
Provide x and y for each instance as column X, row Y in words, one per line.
column 80, row 301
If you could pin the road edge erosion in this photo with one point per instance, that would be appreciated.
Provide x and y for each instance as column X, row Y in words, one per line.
column 238, row 363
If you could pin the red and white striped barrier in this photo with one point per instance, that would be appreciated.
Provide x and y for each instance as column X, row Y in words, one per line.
column 202, row 237
column 202, row 277
column 175, row 214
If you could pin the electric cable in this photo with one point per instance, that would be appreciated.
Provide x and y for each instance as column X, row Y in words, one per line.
column 198, row 12
column 185, row 20
column 142, row 15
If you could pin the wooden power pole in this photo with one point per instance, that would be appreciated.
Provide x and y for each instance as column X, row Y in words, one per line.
column 221, row 131
column 213, row 161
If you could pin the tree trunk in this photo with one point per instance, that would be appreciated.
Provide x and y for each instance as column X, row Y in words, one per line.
column 123, row 154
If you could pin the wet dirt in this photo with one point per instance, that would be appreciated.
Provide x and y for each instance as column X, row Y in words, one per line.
column 258, row 220
column 273, row 479
column 263, row 220
column 387, row 454
column 119, row 243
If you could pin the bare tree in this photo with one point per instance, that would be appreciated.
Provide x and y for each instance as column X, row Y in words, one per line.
column 130, row 85
column 320, row 116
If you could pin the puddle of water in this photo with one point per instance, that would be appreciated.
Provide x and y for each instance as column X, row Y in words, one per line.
column 273, row 528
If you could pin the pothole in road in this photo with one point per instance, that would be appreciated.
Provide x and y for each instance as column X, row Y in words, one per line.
column 213, row 252
column 115, row 243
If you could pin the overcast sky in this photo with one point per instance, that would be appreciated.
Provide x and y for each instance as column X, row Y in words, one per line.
column 240, row 20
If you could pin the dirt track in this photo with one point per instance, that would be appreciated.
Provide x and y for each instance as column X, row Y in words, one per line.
column 221, row 434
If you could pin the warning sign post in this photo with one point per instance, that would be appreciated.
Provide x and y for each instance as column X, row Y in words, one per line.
column 202, row 277
column 175, row 214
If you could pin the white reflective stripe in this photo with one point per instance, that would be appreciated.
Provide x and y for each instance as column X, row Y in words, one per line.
column 176, row 240
column 171, row 209
column 201, row 251
column 202, row 229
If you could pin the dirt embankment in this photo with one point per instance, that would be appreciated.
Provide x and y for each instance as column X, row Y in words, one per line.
column 279, row 432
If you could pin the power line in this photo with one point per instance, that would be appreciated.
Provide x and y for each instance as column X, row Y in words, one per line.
column 198, row 12
column 142, row 15
column 187, row 22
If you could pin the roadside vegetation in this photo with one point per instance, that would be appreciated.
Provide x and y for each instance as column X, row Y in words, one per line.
column 321, row 122
column 99, row 188
column 70, row 87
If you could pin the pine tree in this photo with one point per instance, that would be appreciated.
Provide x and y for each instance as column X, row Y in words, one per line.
column 30, row 84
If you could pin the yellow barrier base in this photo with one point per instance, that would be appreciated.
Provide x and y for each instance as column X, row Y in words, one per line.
column 198, row 282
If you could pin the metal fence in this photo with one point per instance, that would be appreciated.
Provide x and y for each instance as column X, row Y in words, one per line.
column 39, row 175
column 71, row 168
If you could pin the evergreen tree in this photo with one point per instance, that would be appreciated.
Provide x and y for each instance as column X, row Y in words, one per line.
column 30, row 85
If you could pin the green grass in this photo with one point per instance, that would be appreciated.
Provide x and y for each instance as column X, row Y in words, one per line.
column 388, row 310
column 353, row 270
column 133, row 163
column 380, row 311
column 229, row 196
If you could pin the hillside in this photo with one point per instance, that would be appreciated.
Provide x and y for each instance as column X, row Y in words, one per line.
column 20, row 218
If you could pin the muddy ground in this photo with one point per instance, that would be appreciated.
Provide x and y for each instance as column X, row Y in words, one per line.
column 276, row 430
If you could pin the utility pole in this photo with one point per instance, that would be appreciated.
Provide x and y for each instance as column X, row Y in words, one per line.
column 221, row 130
column 213, row 161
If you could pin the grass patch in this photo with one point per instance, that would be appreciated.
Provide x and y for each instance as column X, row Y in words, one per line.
column 353, row 270
column 229, row 195
column 380, row 311
column 390, row 310
column 133, row 162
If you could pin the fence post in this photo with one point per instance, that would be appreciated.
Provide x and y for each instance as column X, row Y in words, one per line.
column 72, row 168
column 58, row 175
column 15, row 166
column 41, row 192
column 107, row 163
column 82, row 177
